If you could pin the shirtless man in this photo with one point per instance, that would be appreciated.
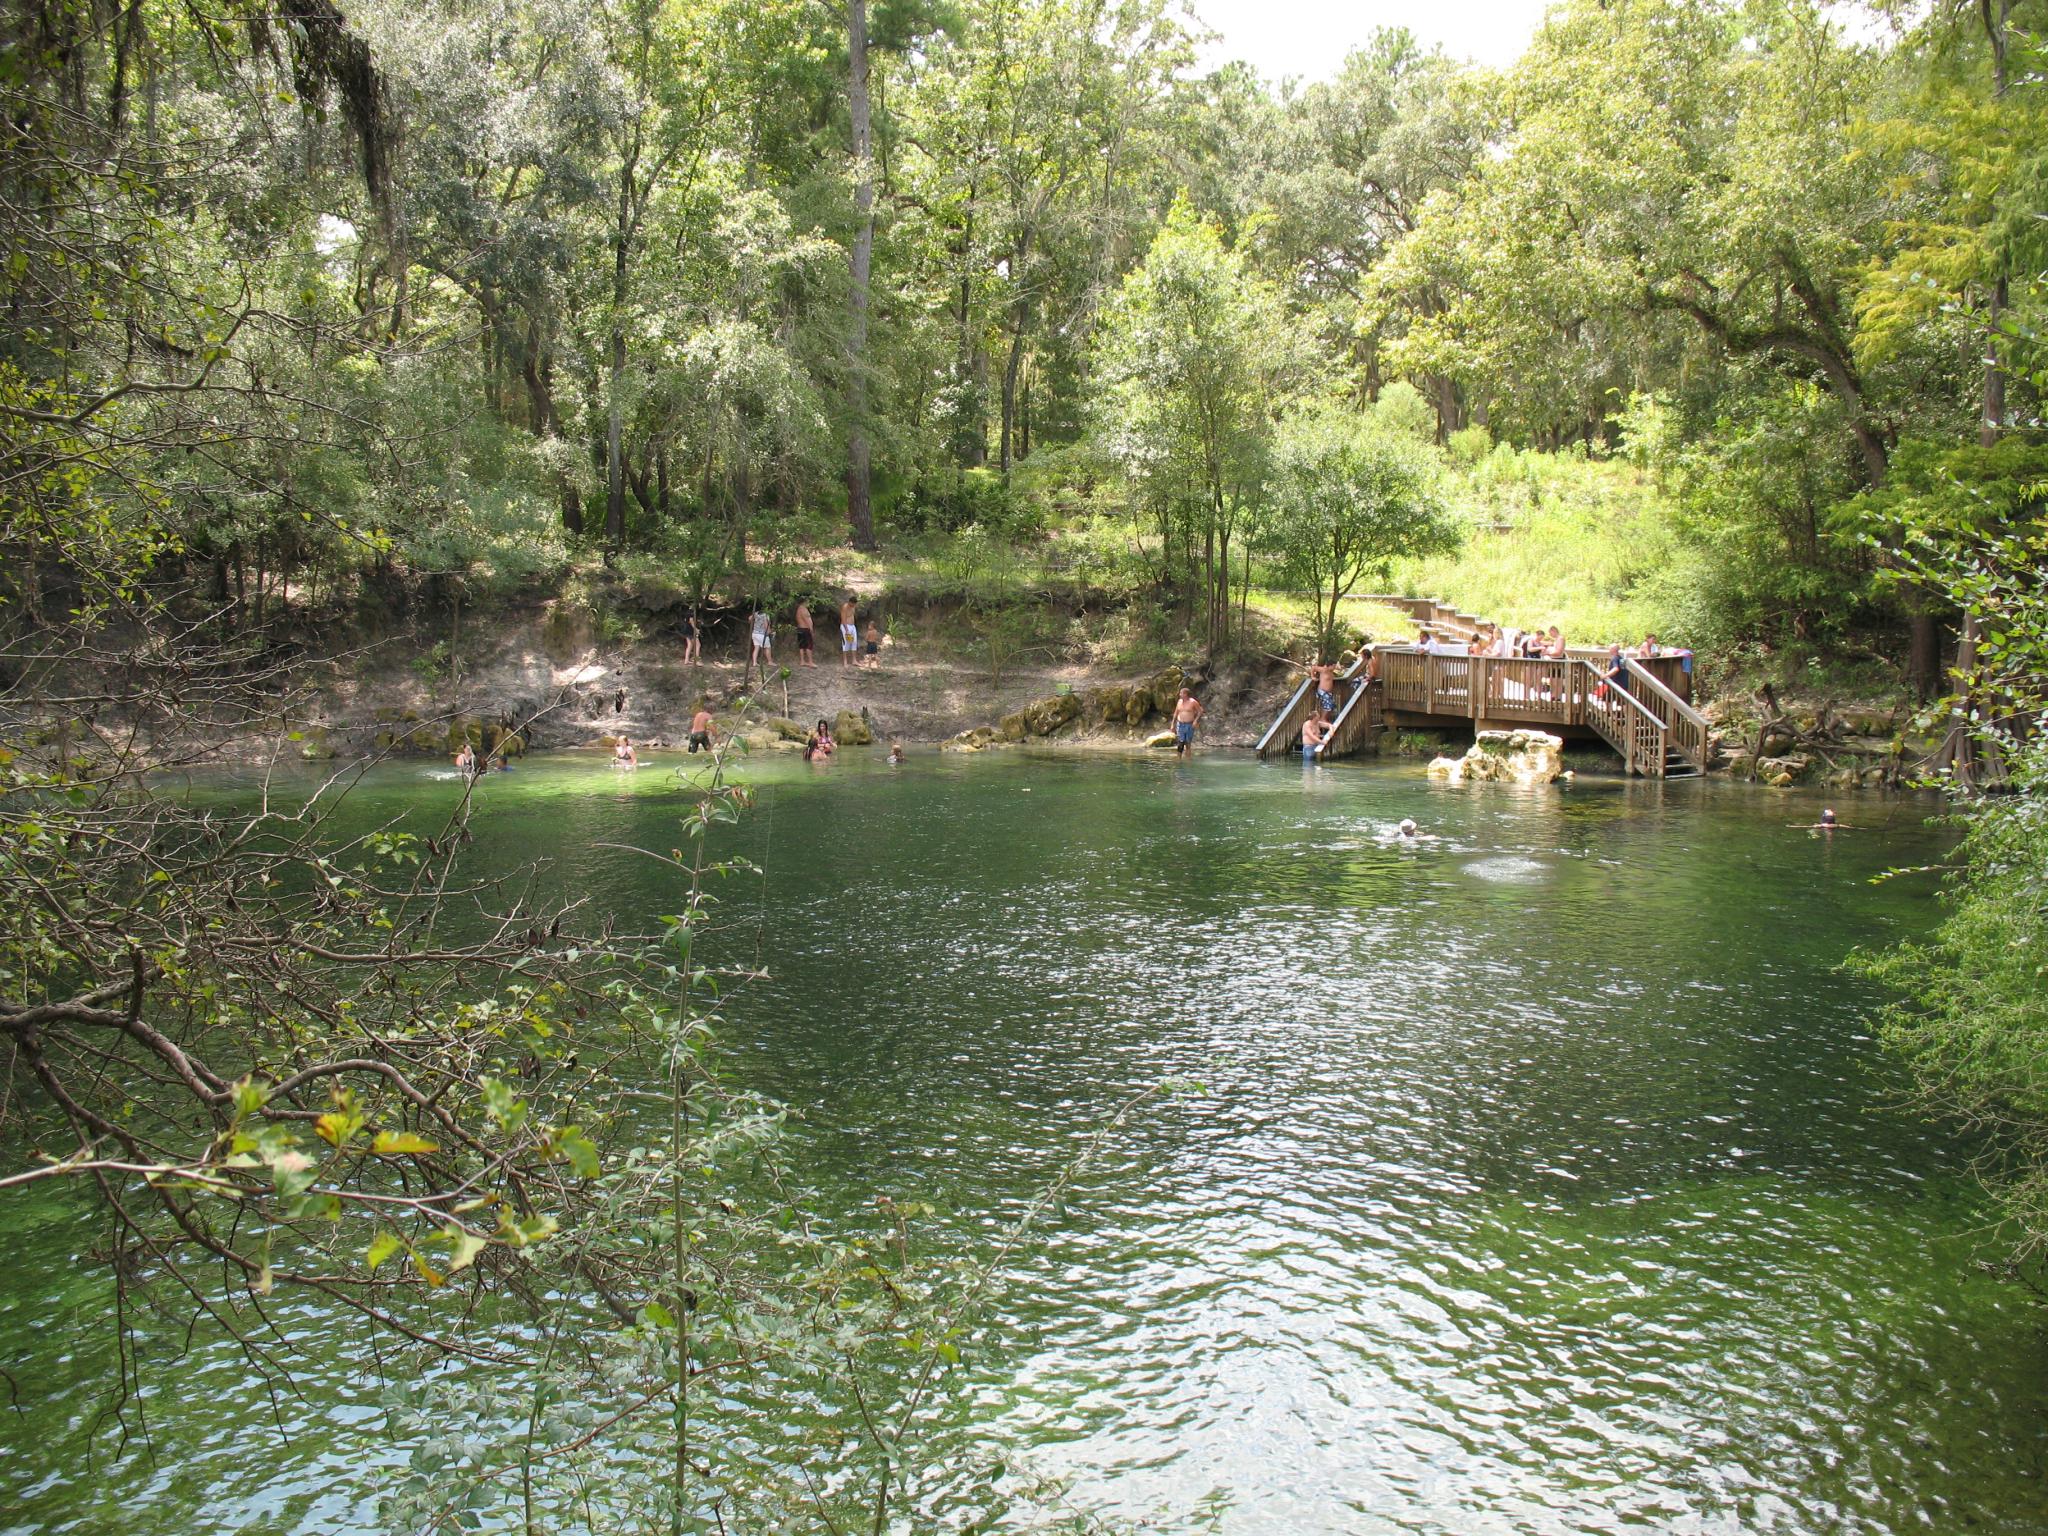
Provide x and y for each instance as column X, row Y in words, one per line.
column 849, row 637
column 806, row 636
column 1187, row 714
column 1315, row 730
column 702, row 732
column 1325, row 677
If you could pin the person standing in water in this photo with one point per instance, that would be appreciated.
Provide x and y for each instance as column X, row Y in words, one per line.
column 1187, row 714
column 806, row 636
column 702, row 731
column 623, row 755
column 1315, row 730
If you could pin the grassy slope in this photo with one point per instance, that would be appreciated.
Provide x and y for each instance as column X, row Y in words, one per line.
column 1590, row 547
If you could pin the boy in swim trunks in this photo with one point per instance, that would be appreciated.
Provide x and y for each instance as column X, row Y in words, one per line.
column 806, row 636
column 1187, row 714
column 701, row 730
column 872, row 645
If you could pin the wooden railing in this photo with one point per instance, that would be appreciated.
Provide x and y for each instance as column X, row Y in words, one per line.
column 1645, row 722
column 1685, row 727
column 1625, row 723
column 1284, row 734
column 1285, row 730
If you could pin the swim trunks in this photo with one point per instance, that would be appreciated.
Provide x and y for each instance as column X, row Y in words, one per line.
column 1327, row 699
column 874, row 646
column 805, row 639
column 700, row 739
column 1184, row 732
column 848, row 640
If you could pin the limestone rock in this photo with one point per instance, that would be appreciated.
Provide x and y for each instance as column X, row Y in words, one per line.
column 1163, row 739
column 786, row 729
column 1165, row 688
column 1044, row 716
column 979, row 739
column 1505, row 757
column 1792, row 769
column 314, row 743
column 1109, row 706
column 1011, row 728
column 851, row 730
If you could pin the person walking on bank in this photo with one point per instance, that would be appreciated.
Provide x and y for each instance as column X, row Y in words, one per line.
column 806, row 636
column 762, row 634
column 849, row 637
column 1187, row 714
column 693, row 638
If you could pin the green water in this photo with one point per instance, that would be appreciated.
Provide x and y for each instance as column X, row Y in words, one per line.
column 1545, row 1178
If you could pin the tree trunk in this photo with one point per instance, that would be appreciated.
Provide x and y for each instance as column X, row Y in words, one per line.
column 614, row 445
column 859, row 513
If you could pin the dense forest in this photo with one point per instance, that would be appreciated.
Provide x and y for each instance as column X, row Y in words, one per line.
column 443, row 297
column 313, row 311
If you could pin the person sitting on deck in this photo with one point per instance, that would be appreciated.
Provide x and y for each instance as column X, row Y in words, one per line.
column 1647, row 651
column 1553, row 644
column 1372, row 663
column 1315, row 730
column 1428, row 644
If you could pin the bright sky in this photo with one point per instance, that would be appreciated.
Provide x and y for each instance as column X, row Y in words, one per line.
column 1309, row 38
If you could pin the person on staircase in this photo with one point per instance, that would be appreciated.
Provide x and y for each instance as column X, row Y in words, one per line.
column 1315, row 732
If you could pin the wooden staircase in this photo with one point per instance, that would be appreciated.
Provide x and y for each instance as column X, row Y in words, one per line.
column 1655, row 730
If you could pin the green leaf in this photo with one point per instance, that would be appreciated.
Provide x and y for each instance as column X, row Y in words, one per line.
column 382, row 1246
column 401, row 1144
column 465, row 1247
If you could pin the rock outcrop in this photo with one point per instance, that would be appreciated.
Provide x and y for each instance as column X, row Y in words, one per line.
column 852, row 730
column 1504, row 757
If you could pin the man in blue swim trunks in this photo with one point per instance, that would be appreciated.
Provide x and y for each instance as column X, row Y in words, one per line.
column 1187, row 710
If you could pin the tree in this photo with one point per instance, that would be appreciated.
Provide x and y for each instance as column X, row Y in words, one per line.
column 1195, row 361
column 1349, row 501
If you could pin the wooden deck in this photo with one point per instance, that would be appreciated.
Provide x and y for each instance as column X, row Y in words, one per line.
column 1651, row 724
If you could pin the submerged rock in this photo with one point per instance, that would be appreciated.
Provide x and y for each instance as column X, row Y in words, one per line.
column 979, row 739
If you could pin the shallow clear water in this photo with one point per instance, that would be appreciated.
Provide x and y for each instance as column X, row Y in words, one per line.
column 1542, row 1179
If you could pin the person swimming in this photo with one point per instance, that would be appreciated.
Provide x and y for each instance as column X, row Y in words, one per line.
column 623, row 755
column 895, row 752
